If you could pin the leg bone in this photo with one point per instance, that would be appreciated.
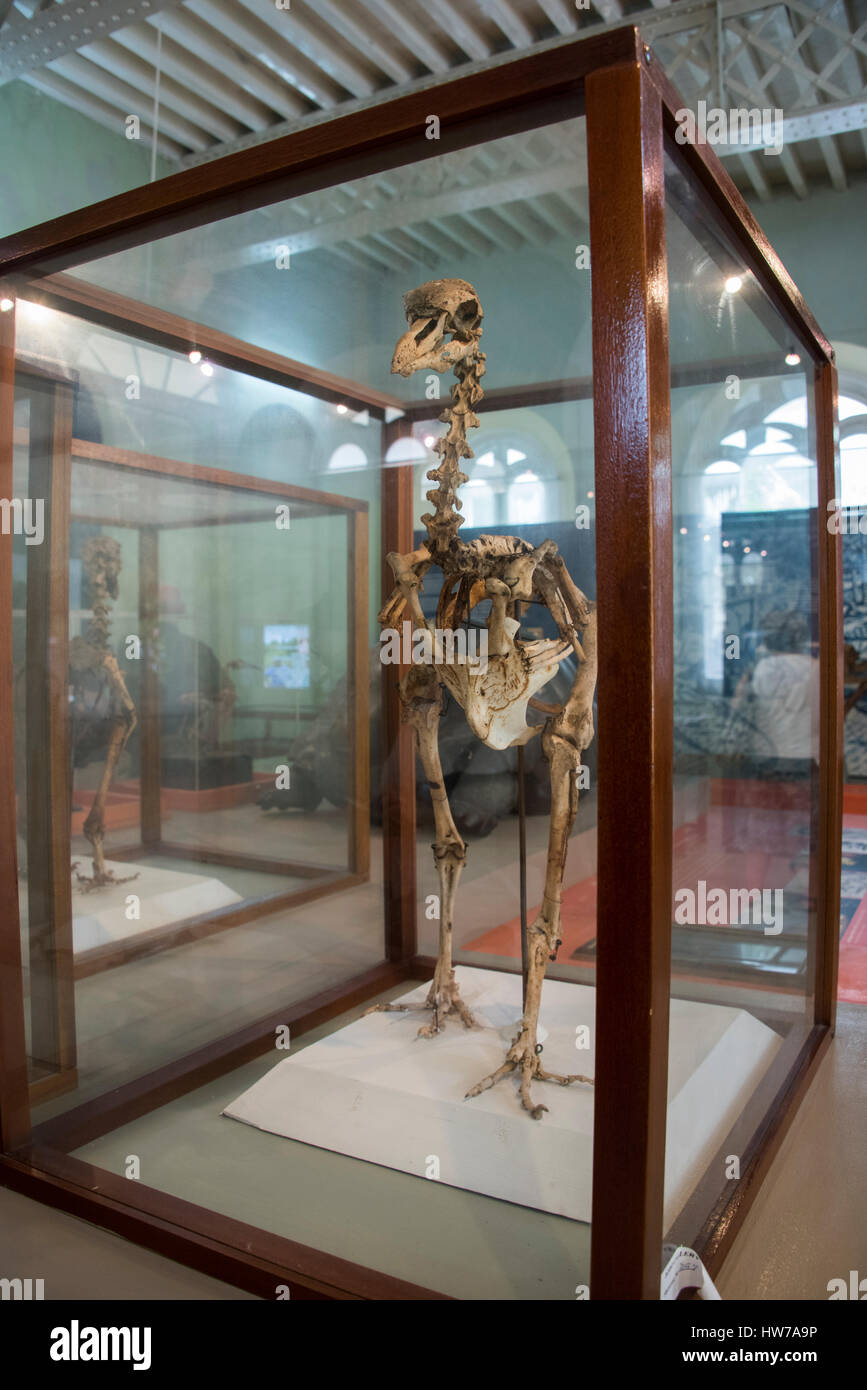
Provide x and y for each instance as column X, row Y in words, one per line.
column 564, row 736
column 422, row 707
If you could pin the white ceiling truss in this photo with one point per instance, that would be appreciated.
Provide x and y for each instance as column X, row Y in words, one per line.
column 206, row 77
column 525, row 190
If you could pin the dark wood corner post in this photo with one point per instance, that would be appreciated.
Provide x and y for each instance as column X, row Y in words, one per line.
column 397, row 746
column 830, row 811
column 358, row 691
column 634, row 598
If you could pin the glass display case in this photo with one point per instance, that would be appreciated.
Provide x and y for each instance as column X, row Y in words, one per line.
column 591, row 460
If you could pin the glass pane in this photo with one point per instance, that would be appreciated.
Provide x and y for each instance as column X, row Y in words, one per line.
column 532, row 477
column 309, row 277
column 746, row 709
column 215, row 650
column 197, row 767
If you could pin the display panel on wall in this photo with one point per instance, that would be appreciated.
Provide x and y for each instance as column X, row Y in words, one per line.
column 389, row 667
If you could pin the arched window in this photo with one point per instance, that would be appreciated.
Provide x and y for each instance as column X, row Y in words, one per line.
column 765, row 463
column 853, row 452
column 526, row 499
column 346, row 458
column 513, row 481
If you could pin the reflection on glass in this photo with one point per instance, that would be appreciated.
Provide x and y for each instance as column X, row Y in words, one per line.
column 746, row 713
column 532, row 477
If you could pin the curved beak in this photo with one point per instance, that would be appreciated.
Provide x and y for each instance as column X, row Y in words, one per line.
column 413, row 349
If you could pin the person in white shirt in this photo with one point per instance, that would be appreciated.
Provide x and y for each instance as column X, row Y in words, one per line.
column 785, row 689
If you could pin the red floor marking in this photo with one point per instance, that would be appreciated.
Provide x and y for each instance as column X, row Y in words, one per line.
column 852, row 986
column 726, row 849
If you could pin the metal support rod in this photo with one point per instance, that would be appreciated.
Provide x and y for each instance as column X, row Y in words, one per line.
column 522, row 869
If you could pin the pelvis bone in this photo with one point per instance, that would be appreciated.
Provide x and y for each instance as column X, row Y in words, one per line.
column 495, row 698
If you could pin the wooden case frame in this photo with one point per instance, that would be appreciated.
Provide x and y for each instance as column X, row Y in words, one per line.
column 631, row 111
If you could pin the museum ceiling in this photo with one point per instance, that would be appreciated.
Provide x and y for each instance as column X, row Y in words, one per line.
column 211, row 76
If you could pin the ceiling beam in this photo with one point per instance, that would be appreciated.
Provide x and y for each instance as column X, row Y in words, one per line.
column 508, row 21
column 808, row 89
column 501, row 226
column 742, row 78
column 364, row 39
column 273, row 51
column 299, row 31
column 405, row 212
column 610, row 10
column 754, row 172
column 561, row 15
column 103, row 112
column 325, row 55
column 55, row 32
column 412, row 35
column 176, row 96
column 205, row 46
column 817, row 123
column 683, row 17
column 452, row 19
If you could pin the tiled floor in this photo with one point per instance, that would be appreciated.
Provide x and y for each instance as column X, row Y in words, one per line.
column 809, row 1222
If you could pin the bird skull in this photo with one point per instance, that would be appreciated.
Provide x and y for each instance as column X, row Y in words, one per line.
column 436, row 310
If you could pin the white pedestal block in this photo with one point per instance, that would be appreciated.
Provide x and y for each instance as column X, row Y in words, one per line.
column 165, row 895
column 376, row 1092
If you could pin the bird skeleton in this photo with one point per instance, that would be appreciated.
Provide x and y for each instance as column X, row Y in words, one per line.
column 445, row 319
column 91, row 655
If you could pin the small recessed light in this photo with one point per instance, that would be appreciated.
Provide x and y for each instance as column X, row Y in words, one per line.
column 764, row 554
column 746, row 550
column 793, row 359
column 705, row 538
column 591, row 494
column 683, row 530
column 206, row 369
column 195, row 357
column 342, row 409
column 6, row 305
column 726, row 545
column 429, row 441
column 733, row 284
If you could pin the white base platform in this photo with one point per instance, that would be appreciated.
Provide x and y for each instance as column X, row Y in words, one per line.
column 166, row 896
column 376, row 1092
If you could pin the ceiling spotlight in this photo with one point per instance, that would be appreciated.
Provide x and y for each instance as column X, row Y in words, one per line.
column 726, row 545
column 733, row 284
column 206, row 369
column 6, row 305
column 429, row 441
column 746, row 550
column 764, row 554
column 683, row 530
column 195, row 357
column 793, row 359
column 591, row 494
column 705, row 538
column 342, row 409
